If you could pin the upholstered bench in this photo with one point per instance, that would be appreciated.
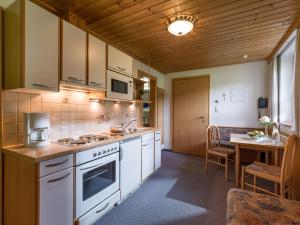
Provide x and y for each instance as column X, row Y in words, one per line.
column 249, row 208
column 226, row 131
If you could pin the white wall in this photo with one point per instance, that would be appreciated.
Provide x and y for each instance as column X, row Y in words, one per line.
column 250, row 76
column 137, row 65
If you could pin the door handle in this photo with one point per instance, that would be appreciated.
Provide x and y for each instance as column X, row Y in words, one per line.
column 74, row 79
column 95, row 83
column 43, row 86
column 60, row 178
column 201, row 117
column 121, row 68
column 57, row 164
column 100, row 210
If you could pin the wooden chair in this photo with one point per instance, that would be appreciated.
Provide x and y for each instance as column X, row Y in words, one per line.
column 279, row 175
column 214, row 149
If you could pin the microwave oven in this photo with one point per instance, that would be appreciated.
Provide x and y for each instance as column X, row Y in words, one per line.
column 119, row 86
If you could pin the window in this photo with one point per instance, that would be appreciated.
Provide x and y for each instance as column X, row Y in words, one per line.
column 286, row 64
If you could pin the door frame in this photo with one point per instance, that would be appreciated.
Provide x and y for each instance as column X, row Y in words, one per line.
column 172, row 100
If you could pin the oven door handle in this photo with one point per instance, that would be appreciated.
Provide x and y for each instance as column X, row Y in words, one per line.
column 98, row 165
column 90, row 167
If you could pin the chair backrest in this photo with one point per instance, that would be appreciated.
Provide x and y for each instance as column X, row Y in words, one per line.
column 212, row 137
column 288, row 158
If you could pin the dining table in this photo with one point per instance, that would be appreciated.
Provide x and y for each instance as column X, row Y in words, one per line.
column 243, row 142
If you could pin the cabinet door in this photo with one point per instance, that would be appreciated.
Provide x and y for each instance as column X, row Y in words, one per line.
column 97, row 62
column 41, row 48
column 130, row 166
column 73, row 54
column 157, row 147
column 119, row 61
column 147, row 158
column 56, row 198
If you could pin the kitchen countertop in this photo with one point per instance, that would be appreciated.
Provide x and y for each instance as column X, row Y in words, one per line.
column 53, row 150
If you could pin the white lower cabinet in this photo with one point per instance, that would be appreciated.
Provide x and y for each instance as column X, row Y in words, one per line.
column 56, row 198
column 147, row 155
column 130, row 165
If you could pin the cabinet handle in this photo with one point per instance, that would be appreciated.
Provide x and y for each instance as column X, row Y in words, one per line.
column 121, row 68
column 121, row 154
column 100, row 210
column 157, row 140
column 146, row 144
column 57, row 164
column 95, row 83
column 43, row 86
column 60, row 178
column 74, row 79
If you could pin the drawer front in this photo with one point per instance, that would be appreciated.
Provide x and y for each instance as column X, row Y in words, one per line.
column 147, row 137
column 97, row 212
column 55, row 165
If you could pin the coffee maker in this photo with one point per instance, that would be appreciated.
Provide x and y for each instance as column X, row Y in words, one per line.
column 36, row 129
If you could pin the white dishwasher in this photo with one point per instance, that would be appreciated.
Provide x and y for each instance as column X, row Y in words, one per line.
column 130, row 165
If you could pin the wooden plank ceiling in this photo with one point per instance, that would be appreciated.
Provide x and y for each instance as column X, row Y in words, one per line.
column 226, row 29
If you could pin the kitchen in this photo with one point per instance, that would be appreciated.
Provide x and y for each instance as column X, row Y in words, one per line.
column 100, row 126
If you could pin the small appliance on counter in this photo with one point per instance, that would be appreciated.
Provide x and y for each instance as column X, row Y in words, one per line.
column 36, row 129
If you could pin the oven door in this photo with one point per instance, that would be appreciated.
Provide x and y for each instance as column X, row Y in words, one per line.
column 119, row 86
column 96, row 181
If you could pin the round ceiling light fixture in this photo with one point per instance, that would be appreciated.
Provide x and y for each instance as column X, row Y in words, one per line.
column 180, row 25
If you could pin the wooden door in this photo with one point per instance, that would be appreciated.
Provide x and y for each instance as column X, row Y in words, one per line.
column 74, row 56
column 191, row 114
column 160, row 112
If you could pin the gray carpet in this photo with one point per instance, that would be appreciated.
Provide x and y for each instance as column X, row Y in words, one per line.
column 179, row 193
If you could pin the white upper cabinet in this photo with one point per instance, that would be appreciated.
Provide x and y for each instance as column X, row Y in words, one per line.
column 41, row 48
column 74, row 54
column 97, row 62
column 119, row 61
column 32, row 60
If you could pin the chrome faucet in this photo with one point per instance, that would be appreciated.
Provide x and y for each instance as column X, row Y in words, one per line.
column 124, row 125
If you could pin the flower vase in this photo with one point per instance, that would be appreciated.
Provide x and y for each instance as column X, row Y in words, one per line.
column 266, row 133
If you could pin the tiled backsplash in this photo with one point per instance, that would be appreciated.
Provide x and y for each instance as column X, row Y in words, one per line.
column 71, row 113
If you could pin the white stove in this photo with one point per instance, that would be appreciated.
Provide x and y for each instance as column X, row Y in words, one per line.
column 97, row 176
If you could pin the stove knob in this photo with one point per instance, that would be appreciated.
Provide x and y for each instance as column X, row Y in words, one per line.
column 112, row 149
column 104, row 151
column 116, row 147
column 99, row 153
column 108, row 150
column 95, row 155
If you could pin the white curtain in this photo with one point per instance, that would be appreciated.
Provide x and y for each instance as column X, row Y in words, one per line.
column 273, row 90
column 296, row 87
